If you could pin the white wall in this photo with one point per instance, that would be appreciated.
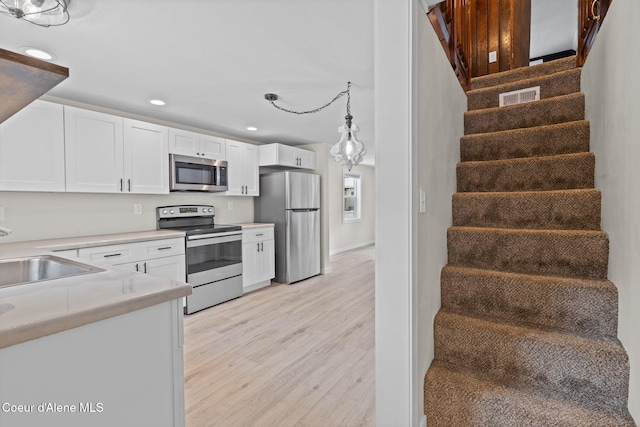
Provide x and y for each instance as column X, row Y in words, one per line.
column 441, row 107
column 398, row 394
column 610, row 82
column 354, row 234
column 36, row 216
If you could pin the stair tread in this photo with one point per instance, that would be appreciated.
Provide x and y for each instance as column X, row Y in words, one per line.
column 536, row 357
column 466, row 399
column 561, row 138
column 587, row 307
column 587, row 233
column 523, row 160
column 559, row 109
column 551, row 85
column 524, row 72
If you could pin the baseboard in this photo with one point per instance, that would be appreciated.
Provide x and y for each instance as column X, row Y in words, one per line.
column 423, row 422
column 325, row 270
column 351, row 247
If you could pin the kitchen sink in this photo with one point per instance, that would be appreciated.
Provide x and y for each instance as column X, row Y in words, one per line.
column 19, row 271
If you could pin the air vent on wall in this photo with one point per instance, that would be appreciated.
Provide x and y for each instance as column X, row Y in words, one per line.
column 520, row 96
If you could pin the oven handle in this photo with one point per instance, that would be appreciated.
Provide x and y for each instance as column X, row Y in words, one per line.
column 215, row 235
column 202, row 241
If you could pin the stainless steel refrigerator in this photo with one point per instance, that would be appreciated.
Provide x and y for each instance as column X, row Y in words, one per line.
column 291, row 200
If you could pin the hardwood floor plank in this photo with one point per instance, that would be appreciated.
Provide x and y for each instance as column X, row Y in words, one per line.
column 287, row 355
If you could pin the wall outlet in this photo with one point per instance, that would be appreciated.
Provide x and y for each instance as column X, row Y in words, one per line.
column 1, row 213
column 423, row 201
column 229, row 206
column 137, row 209
column 493, row 56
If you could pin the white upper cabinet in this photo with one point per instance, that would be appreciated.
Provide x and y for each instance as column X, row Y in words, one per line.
column 196, row 144
column 32, row 149
column 242, row 169
column 280, row 156
column 146, row 157
column 109, row 154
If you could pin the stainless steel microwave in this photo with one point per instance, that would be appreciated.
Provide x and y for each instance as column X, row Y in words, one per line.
column 197, row 174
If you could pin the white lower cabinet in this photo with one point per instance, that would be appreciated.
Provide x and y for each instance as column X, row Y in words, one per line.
column 127, row 370
column 258, row 258
column 160, row 258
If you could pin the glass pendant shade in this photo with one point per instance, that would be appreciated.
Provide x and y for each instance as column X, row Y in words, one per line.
column 45, row 13
column 348, row 150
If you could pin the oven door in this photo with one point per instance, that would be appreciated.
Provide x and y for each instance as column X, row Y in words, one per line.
column 213, row 257
column 195, row 174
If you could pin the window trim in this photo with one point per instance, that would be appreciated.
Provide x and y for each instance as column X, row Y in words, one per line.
column 358, row 196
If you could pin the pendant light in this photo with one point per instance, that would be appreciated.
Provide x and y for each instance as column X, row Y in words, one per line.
column 45, row 13
column 348, row 150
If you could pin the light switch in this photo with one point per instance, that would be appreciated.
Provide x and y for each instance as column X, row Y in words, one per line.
column 230, row 206
column 493, row 56
column 137, row 209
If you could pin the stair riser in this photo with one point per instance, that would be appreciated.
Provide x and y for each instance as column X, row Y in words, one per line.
column 562, row 109
column 530, row 252
column 452, row 399
column 572, row 171
column 570, row 210
column 564, row 138
column 550, row 86
column 523, row 73
column 571, row 305
column 513, row 357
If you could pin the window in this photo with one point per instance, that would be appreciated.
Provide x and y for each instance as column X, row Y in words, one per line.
column 351, row 196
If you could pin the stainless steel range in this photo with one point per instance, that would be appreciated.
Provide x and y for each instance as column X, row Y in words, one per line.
column 213, row 256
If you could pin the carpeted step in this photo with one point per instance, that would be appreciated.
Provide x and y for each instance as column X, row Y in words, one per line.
column 539, row 360
column 561, row 83
column 551, row 140
column 562, row 172
column 560, row 109
column 452, row 398
column 523, row 73
column 557, row 210
column 571, row 253
column 582, row 306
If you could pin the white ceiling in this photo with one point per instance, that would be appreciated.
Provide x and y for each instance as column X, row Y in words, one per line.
column 213, row 61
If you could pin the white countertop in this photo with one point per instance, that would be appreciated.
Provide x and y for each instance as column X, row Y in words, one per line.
column 43, row 308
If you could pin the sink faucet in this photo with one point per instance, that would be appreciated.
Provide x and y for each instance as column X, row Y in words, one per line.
column 5, row 231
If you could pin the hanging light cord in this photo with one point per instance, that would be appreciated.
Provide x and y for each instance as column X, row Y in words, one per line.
column 273, row 97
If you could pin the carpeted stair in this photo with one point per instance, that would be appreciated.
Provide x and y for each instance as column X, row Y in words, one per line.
column 527, row 331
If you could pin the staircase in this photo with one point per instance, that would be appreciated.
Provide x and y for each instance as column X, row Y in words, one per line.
column 527, row 331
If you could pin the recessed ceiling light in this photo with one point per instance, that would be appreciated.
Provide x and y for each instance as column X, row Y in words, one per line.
column 157, row 102
column 252, row 128
column 38, row 53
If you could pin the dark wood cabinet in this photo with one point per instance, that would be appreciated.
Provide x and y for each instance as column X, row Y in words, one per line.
column 24, row 79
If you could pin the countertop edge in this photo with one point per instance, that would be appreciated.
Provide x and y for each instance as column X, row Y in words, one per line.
column 31, row 331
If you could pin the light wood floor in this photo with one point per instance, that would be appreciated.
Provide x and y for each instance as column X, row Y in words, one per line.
column 287, row 355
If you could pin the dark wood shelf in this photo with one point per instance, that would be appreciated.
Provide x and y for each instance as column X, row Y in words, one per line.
column 24, row 79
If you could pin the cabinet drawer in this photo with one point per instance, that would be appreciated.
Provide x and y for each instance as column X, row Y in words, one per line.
column 131, row 252
column 257, row 235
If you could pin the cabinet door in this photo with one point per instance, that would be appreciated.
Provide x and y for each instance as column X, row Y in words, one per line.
column 251, row 170
column 213, row 147
column 172, row 267
column 287, row 156
column 235, row 168
column 184, row 142
column 267, row 267
column 93, row 151
column 146, row 158
column 32, row 149
column 307, row 159
column 250, row 254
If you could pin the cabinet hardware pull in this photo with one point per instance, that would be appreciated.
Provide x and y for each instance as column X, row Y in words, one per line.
column 259, row 234
column 129, row 185
column 261, row 247
column 164, row 248
column 145, row 267
column 257, row 247
column 112, row 255
column 137, row 268
column 121, row 184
